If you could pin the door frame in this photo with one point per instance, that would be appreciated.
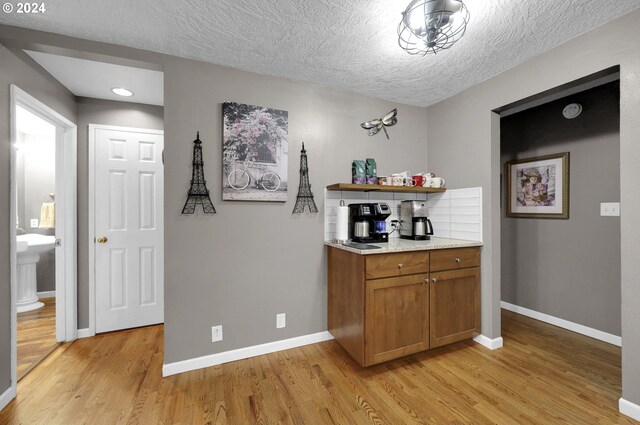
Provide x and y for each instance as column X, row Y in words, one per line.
column 92, row 212
column 66, row 221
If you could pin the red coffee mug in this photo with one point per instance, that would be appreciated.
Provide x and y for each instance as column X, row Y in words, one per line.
column 419, row 179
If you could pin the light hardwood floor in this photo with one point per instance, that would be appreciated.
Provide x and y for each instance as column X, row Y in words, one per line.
column 36, row 336
column 543, row 375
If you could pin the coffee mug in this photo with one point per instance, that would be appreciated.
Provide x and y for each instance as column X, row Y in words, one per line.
column 437, row 182
column 409, row 182
column 419, row 179
column 426, row 179
column 397, row 180
column 382, row 180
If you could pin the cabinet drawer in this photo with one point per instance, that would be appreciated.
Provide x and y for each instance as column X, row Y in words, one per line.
column 452, row 259
column 400, row 264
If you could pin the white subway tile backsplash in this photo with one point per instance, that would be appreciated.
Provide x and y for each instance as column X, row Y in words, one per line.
column 439, row 196
column 381, row 196
column 466, row 227
column 465, row 193
column 465, row 218
column 441, row 233
column 465, row 202
column 402, row 196
column 474, row 236
column 332, row 194
column 475, row 211
column 456, row 213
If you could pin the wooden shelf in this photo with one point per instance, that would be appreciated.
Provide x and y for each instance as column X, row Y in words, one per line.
column 349, row 187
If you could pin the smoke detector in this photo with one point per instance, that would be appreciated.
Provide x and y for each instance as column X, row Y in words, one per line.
column 572, row 110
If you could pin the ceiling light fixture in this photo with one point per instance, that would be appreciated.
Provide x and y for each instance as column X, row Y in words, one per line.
column 428, row 26
column 572, row 110
column 122, row 91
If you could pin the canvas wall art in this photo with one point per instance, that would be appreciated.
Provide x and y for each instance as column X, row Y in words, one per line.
column 255, row 153
column 538, row 187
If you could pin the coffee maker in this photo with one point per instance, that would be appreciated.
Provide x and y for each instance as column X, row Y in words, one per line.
column 414, row 222
column 367, row 222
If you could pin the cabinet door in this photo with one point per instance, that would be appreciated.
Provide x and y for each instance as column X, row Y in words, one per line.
column 397, row 317
column 455, row 306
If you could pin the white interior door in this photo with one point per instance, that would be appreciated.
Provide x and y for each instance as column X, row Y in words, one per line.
column 129, row 223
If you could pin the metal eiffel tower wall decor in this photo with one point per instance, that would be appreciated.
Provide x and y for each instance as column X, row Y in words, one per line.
column 305, row 196
column 198, row 193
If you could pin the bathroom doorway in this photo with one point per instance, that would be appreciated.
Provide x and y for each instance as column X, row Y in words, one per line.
column 43, row 223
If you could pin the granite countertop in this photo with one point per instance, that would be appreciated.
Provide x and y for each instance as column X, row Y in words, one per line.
column 405, row 245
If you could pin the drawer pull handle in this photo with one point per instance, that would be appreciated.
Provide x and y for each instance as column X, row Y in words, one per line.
column 400, row 265
column 458, row 260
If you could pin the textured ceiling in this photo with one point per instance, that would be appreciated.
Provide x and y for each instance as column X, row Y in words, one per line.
column 345, row 44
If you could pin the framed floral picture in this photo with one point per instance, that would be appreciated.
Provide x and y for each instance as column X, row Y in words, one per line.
column 254, row 152
column 538, row 187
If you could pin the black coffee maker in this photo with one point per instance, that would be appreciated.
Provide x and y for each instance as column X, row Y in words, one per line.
column 367, row 222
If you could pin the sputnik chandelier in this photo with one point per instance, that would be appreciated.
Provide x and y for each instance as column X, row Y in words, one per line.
column 429, row 26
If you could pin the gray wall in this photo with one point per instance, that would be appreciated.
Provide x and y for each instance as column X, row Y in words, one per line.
column 250, row 261
column 20, row 70
column 568, row 268
column 463, row 138
column 106, row 112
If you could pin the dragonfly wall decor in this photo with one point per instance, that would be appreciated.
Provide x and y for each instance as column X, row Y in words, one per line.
column 374, row 126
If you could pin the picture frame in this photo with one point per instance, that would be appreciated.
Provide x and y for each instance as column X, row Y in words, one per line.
column 254, row 153
column 538, row 187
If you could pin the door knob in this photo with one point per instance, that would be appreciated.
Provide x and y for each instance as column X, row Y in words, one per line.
column 102, row 239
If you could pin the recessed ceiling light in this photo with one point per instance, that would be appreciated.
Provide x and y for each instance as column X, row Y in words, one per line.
column 572, row 110
column 122, row 92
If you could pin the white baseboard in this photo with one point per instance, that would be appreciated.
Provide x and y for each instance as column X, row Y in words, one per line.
column 85, row 333
column 9, row 395
column 632, row 410
column 491, row 344
column 47, row 294
column 574, row 327
column 243, row 353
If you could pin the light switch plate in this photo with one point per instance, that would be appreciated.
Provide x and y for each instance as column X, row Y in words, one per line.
column 610, row 209
column 34, row 223
column 281, row 320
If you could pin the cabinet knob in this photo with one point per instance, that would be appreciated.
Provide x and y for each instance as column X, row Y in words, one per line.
column 434, row 280
column 458, row 260
column 400, row 265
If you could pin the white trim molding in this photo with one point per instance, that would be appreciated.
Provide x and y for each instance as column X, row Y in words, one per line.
column 565, row 324
column 629, row 409
column 66, row 219
column 85, row 333
column 10, row 394
column 243, row 353
column 492, row 344
column 47, row 294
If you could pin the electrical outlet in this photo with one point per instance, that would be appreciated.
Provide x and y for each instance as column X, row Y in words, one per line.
column 610, row 209
column 281, row 320
column 216, row 333
column 34, row 223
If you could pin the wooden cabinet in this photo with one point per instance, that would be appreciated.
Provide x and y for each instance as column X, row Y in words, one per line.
column 397, row 317
column 454, row 298
column 386, row 306
column 398, row 264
